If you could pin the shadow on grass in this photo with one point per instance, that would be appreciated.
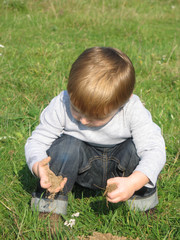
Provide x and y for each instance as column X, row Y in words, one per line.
column 28, row 181
column 98, row 204
column 102, row 207
column 81, row 192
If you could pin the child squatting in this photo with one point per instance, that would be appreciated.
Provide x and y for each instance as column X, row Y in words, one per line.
column 97, row 133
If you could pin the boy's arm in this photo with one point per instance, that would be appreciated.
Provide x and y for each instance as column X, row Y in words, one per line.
column 148, row 141
column 150, row 147
column 126, row 186
column 49, row 129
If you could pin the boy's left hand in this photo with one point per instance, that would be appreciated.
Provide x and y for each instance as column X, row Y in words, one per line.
column 124, row 189
column 126, row 186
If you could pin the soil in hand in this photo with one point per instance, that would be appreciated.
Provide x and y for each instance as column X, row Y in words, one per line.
column 55, row 183
column 110, row 188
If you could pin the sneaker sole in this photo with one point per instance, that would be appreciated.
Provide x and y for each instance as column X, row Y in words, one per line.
column 143, row 204
column 47, row 205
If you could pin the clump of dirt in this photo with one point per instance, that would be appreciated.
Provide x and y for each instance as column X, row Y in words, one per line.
column 106, row 236
column 55, row 182
column 110, row 188
column 53, row 218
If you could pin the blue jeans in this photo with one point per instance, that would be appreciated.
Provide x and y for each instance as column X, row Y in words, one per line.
column 88, row 165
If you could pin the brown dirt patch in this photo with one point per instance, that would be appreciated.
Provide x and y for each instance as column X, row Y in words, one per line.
column 106, row 236
column 52, row 216
column 53, row 219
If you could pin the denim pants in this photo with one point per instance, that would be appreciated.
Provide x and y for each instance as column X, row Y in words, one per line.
column 88, row 165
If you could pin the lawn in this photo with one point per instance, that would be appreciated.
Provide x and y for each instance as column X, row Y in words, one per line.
column 39, row 40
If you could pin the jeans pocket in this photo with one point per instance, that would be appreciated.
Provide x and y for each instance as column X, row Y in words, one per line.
column 85, row 167
column 87, row 176
column 121, row 170
column 87, row 164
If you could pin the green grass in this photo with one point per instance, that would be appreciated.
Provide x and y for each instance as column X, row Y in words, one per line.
column 42, row 39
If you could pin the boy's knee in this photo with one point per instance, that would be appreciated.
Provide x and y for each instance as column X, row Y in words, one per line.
column 65, row 155
column 65, row 148
column 64, row 144
column 130, row 146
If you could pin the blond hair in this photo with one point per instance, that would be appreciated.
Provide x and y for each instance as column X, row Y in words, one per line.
column 101, row 80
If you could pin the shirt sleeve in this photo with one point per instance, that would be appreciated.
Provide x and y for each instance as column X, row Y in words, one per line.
column 148, row 140
column 49, row 128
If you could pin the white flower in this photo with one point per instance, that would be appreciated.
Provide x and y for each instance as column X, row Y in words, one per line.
column 6, row 137
column 70, row 223
column 1, row 46
column 75, row 214
column 164, row 57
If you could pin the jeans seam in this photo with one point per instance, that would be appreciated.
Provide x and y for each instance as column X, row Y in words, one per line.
column 88, row 166
column 105, row 159
column 118, row 162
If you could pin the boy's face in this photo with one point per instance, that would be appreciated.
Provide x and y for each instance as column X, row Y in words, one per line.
column 91, row 122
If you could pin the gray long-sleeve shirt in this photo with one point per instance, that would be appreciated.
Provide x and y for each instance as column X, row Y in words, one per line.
column 133, row 120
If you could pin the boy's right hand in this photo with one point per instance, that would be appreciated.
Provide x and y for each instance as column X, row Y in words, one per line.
column 41, row 170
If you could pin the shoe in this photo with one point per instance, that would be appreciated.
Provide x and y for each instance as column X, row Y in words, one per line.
column 144, row 199
column 46, row 205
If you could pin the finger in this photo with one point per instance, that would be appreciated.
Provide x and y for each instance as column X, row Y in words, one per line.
column 60, row 188
column 113, row 194
column 52, row 190
column 117, row 197
column 45, row 161
column 114, row 200
column 63, row 183
column 45, row 184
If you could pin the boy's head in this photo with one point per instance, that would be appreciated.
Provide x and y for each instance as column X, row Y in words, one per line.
column 101, row 80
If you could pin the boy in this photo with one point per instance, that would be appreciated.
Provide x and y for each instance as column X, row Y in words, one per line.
column 97, row 133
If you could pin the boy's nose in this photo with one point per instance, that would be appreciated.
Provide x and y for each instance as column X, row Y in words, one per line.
column 84, row 121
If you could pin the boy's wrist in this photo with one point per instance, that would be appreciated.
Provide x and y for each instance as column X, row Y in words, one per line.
column 138, row 180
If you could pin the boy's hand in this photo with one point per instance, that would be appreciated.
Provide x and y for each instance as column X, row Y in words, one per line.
column 42, row 171
column 123, row 191
column 126, row 186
